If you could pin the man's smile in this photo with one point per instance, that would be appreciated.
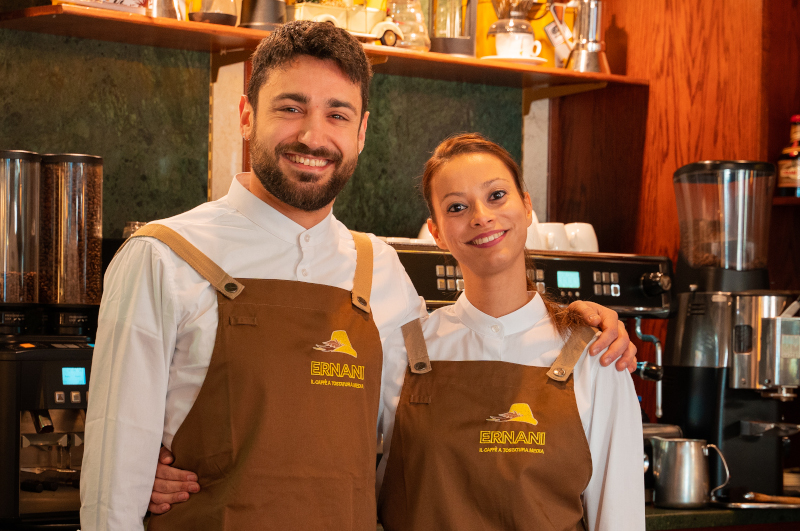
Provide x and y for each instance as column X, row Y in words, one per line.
column 307, row 162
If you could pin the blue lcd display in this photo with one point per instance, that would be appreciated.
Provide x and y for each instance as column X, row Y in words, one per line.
column 568, row 279
column 73, row 375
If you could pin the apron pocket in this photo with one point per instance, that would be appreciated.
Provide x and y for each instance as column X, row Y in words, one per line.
column 420, row 399
column 282, row 503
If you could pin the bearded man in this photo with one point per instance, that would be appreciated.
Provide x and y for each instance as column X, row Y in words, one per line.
column 248, row 335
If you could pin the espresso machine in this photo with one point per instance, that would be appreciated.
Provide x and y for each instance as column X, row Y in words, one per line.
column 732, row 346
column 47, row 242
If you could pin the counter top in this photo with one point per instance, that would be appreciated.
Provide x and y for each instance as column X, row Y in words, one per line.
column 662, row 519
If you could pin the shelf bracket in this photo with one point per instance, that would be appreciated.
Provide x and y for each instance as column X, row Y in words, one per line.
column 545, row 92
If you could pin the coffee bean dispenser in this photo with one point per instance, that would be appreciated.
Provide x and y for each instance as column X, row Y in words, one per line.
column 19, row 239
column 70, row 256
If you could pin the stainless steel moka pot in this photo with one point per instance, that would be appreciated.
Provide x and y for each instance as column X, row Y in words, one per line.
column 587, row 49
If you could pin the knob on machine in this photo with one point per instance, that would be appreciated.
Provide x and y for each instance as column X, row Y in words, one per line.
column 655, row 284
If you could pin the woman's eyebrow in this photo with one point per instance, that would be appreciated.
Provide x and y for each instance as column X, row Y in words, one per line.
column 487, row 184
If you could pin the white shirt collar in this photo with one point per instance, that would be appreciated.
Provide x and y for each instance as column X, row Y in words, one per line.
column 517, row 321
column 277, row 224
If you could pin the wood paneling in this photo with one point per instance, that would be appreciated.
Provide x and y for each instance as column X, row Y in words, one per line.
column 596, row 145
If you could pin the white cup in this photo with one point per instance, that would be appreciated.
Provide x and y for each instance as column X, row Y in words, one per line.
column 554, row 237
column 582, row 237
column 517, row 45
column 533, row 241
column 424, row 233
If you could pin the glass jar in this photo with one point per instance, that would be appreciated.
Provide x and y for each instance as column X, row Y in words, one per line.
column 409, row 18
column 71, row 237
column 19, row 235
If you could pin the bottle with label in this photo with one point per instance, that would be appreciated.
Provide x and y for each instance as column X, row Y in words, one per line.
column 789, row 164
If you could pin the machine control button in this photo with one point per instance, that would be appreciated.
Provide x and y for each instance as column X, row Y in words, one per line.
column 440, row 284
column 439, row 270
column 606, row 289
column 569, row 294
column 540, row 274
column 606, row 277
column 451, row 271
column 563, row 293
column 655, row 284
column 577, row 293
column 598, row 289
column 459, row 284
column 75, row 397
column 540, row 287
column 615, row 278
column 451, row 284
column 615, row 290
column 60, row 397
column 597, row 277
column 458, row 272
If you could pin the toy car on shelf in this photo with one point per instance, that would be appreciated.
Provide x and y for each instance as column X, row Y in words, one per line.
column 365, row 23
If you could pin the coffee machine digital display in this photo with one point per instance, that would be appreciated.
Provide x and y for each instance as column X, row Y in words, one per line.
column 729, row 364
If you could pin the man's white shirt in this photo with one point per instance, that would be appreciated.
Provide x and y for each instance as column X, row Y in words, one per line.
column 606, row 399
column 158, row 324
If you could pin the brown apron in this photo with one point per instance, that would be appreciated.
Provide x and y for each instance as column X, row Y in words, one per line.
column 487, row 445
column 283, row 432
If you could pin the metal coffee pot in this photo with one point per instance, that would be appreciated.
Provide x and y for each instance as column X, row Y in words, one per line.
column 680, row 470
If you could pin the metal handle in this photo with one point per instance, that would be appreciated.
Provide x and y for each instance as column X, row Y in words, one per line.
column 724, row 463
column 561, row 25
column 657, row 343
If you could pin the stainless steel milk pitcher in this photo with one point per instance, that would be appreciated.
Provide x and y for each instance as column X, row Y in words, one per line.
column 680, row 471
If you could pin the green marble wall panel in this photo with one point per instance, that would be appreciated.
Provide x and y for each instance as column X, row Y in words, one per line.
column 408, row 118
column 143, row 109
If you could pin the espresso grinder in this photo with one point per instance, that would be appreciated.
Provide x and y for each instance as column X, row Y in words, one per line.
column 45, row 355
column 733, row 346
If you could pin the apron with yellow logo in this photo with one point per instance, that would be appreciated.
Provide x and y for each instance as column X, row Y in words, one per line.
column 282, row 433
column 486, row 445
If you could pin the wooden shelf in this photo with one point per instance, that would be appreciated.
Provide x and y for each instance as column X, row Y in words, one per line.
column 786, row 200
column 116, row 26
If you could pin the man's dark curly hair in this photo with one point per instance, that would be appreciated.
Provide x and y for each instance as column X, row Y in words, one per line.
column 321, row 40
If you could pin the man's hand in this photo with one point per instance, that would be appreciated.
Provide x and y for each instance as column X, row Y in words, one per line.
column 172, row 485
column 614, row 336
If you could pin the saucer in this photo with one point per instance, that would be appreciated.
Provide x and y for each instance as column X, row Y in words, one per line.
column 524, row 60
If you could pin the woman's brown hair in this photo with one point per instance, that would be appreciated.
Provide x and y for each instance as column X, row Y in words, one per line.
column 469, row 143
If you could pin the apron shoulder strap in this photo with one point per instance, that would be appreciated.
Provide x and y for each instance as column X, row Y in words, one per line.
column 418, row 359
column 571, row 353
column 362, row 281
column 215, row 275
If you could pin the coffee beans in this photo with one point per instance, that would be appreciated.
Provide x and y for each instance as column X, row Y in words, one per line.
column 71, row 221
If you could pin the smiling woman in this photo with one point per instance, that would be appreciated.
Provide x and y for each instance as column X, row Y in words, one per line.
column 480, row 212
column 502, row 420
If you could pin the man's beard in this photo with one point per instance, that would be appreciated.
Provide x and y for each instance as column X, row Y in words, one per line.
column 307, row 198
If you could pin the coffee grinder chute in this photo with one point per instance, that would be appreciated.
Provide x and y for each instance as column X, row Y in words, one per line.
column 725, row 371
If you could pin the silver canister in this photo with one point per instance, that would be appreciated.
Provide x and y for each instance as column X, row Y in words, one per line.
column 588, row 53
column 680, row 470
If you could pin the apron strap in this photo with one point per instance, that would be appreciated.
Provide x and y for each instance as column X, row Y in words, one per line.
column 362, row 281
column 215, row 275
column 571, row 353
column 418, row 359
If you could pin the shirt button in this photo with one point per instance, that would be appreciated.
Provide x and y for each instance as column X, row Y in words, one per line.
column 495, row 328
column 305, row 273
column 307, row 237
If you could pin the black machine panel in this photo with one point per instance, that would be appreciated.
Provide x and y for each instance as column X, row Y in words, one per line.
column 632, row 285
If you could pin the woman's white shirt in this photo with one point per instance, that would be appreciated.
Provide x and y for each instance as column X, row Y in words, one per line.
column 606, row 399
